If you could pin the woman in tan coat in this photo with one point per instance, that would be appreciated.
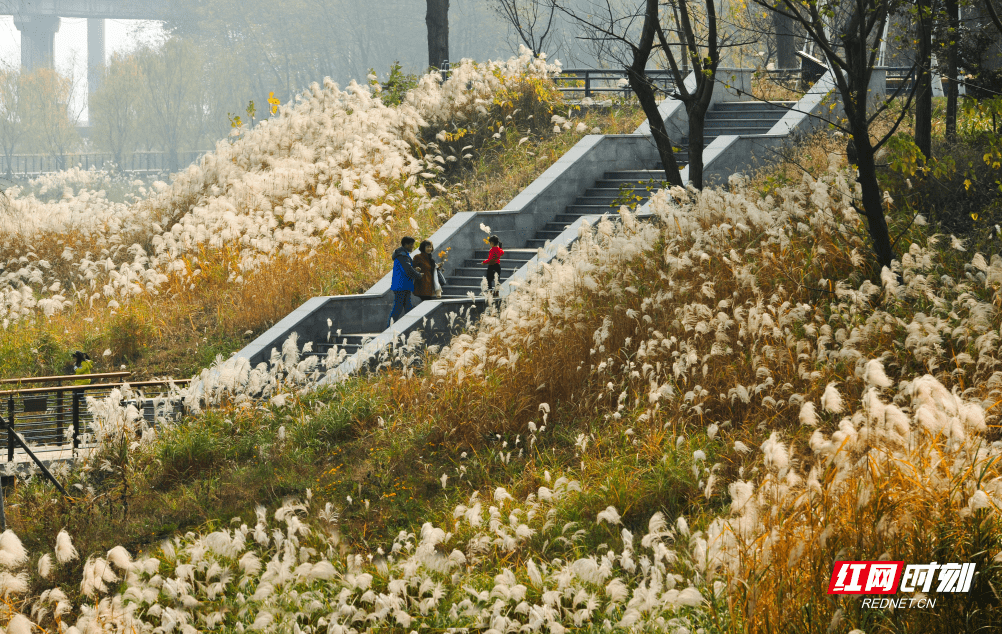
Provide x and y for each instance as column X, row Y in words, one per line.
column 424, row 286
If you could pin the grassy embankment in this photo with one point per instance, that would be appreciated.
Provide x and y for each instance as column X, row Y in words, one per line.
column 223, row 464
column 650, row 374
column 211, row 304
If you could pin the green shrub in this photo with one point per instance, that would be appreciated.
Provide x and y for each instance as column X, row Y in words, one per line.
column 336, row 422
column 189, row 450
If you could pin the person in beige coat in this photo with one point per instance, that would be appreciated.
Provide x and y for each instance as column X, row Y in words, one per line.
column 424, row 286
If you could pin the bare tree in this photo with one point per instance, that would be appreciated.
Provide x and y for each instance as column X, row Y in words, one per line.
column 437, row 21
column 11, row 113
column 923, row 93
column 114, row 107
column 532, row 20
column 953, row 82
column 174, row 102
column 704, row 66
column 693, row 26
column 848, row 34
column 786, row 41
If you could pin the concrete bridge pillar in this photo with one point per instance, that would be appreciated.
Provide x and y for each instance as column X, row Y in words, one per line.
column 95, row 53
column 38, row 37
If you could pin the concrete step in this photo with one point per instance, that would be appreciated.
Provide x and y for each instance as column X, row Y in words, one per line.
column 553, row 226
column 614, row 185
column 547, row 234
column 752, row 106
column 515, row 255
column 609, row 200
column 464, row 281
column 584, row 210
column 681, row 159
column 740, row 123
column 631, row 175
column 602, row 193
column 774, row 113
column 536, row 244
column 474, row 271
column 346, row 343
column 714, row 133
column 566, row 219
column 463, row 291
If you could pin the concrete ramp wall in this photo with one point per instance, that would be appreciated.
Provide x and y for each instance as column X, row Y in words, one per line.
column 528, row 212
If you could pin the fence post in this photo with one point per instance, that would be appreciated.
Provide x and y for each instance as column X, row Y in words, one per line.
column 59, row 413
column 587, row 84
column 10, row 428
column 76, row 418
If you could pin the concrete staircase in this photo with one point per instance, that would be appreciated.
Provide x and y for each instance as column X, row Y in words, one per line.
column 742, row 117
column 540, row 221
column 601, row 198
column 746, row 118
column 348, row 343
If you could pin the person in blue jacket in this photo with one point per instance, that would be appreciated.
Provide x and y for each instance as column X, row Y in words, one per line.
column 404, row 274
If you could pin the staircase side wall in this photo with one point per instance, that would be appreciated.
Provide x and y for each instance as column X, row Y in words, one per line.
column 528, row 212
column 813, row 111
column 732, row 154
column 672, row 112
column 578, row 169
column 350, row 313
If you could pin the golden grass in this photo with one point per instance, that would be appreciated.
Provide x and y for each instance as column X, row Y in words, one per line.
column 181, row 329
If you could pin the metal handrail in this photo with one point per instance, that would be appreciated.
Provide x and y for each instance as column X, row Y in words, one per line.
column 66, row 377
column 45, row 421
column 138, row 162
column 589, row 75
column 91, row 386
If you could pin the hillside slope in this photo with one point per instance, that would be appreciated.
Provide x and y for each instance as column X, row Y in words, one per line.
column 164, row 277
column 679, row 425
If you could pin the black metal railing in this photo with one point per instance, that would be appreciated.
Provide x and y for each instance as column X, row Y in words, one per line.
column 56, row 418
column 590, row 81
column 900, row 77
column 133, row 163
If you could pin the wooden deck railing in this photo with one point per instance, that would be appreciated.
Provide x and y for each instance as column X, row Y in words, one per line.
column 56, row 417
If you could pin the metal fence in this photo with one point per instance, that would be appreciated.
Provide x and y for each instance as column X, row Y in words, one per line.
column 900, row 77
column 590, row 81
column 135, row 163
column 57, row 418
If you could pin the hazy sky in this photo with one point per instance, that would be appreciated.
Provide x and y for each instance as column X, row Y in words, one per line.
column 71, row 43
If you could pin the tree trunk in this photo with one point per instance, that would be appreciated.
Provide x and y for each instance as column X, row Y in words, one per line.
column 923, row 94
column 786, row 46
column 953, row 87
column 645, row 95
column 697, row 119
column 437, row 21
column 873, row 203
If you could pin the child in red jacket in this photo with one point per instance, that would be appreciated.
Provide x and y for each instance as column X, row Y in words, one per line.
column 493, row 263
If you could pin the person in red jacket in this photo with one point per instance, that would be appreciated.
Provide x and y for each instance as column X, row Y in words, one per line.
column 493, row 263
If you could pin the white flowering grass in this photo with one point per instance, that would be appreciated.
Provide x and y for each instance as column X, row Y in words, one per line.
column 730, row 403
column 284, row 571
column 751, row 316
column 308, row 202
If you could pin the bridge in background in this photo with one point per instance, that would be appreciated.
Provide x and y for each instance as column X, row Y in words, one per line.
column 38, row 21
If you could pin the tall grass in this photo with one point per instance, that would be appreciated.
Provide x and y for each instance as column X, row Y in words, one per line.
column 676, row 424
column 269, row 239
